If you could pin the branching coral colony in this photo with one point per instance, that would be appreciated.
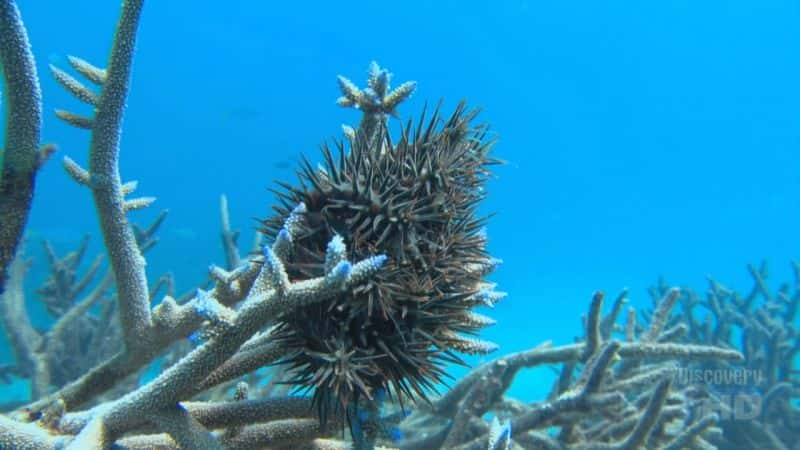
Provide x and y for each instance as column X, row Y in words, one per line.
column 338, row 333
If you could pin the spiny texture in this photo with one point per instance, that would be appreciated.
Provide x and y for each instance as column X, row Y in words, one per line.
column 416, row 202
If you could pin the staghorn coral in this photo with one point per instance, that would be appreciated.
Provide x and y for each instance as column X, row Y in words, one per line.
column 415, row 201
column 762, row 325
column 622, row 398
column 20, row 157
column 79, row 337
column 315, row 261
column 103, row 177
column 377, row 102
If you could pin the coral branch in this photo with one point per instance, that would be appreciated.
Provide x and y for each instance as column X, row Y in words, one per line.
column 20, row 159
column 126, row 260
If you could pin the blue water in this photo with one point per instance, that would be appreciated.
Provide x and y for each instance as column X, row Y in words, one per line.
column 643, row 138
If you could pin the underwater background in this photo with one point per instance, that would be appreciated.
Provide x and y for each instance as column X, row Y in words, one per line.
column 642, row 139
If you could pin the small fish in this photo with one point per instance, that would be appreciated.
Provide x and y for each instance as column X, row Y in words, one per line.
column 282, row 164
column 242, row 114
column 185, row 234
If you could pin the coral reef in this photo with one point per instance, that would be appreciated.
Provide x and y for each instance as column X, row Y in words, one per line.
column 761, row 324
column 622, row 397
column 337, row 331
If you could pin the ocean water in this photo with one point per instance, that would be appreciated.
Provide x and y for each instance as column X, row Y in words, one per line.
column 643, row 139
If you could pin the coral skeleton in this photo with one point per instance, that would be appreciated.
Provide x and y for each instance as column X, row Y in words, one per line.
column 338, row 328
